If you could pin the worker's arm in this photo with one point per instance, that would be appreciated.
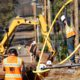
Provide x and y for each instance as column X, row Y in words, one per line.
column 30, row 47
column 23, row 68
column 2, row 69
column 35, row 47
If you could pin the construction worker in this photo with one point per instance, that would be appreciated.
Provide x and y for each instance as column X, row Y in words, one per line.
column 12, row 66
column 32, row 49
column 70, row 36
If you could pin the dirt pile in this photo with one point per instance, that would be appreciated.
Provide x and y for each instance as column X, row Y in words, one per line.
column 64, row 74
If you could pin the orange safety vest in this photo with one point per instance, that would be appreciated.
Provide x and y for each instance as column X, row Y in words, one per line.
column 69, row 31
column 15, row 63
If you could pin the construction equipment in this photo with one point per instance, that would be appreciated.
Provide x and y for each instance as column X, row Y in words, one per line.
column 20, row 20
column 62, row 66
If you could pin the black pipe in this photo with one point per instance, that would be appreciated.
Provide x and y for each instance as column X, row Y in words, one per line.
column 61, row 66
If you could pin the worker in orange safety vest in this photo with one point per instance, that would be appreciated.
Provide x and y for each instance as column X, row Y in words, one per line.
column 70, row 36
column 12, row 66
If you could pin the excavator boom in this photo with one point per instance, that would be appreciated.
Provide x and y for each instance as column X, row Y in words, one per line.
column 19, row 21
column 45, row 32
column 15, row 22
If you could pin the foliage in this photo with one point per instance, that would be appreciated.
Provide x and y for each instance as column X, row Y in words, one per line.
column 6, row 12
column 61, row 47
column 41, row 39
column 62, row 51
column 45, row 49
column 57, row 5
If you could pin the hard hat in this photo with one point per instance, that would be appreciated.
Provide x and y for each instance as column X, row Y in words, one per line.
column 63, row 17
column 48, row 62
column 13, row 51
column 42, row 66
column 34, row 42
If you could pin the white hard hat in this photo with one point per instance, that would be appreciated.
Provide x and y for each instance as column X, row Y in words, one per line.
column 34, row 42
column 63, row 17
column 42, row 66
column 48, row 62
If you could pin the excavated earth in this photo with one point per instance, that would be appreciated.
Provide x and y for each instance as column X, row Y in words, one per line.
column 64, row 74
column 67, row 73
column 58, row 74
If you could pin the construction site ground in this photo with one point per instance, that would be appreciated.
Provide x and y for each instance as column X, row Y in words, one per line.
column 67, row 73
column 59, row 74
column 64, row 74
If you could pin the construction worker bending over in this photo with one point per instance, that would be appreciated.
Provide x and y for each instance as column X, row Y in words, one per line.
column 33, row 48
column 70, row 36
column 12, row 66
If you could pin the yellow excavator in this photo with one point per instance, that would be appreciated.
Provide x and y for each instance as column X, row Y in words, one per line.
column 19, row 21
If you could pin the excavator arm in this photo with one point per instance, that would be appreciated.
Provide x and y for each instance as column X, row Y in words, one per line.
column 15, row 22
column 19, row 21
column 45, row 32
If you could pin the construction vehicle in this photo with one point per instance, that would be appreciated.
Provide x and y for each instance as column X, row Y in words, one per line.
column 20, row 20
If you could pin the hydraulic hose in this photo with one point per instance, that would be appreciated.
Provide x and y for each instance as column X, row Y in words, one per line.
column 69, row 1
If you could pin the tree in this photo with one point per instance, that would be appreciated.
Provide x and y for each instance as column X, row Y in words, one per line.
column 76, row 22
column 6, row 11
